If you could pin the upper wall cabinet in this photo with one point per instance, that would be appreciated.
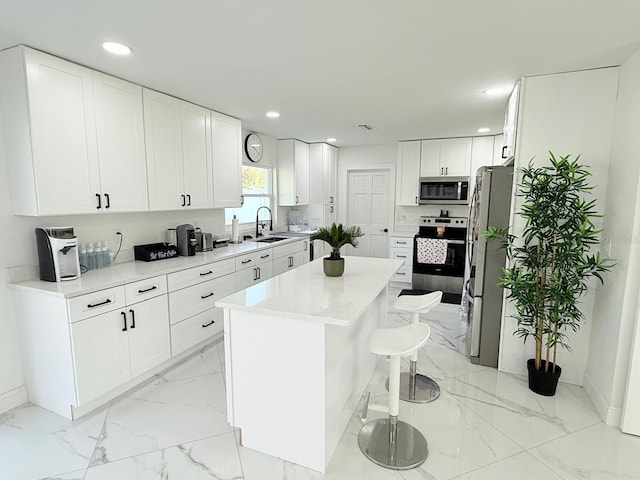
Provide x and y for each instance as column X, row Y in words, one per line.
column 227, row 160
column 408, row 173
column 511, row 124
column 293, row 173
column 62, row 121
column 446, row 157
column 329, row 173
column 179, row 157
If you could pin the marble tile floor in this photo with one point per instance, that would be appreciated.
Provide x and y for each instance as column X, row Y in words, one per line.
column 485, row 425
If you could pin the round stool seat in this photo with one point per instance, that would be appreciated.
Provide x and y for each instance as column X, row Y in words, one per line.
column 400, row 340
column 418, row 303
column 414, row 387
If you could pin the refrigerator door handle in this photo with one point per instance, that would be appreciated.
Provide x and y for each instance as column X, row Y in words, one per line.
column 476, row 326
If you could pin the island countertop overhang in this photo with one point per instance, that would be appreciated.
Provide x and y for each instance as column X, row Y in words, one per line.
column 307, row 294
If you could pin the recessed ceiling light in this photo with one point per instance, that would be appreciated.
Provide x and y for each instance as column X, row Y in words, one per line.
column 495, row 91
column 483, row 130
column 272, row 114
column 116, row 48
column 331, row 139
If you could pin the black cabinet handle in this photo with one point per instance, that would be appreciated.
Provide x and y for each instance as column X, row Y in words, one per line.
column 184, row 200
column 401, row 256
column 401, row 243
column 99, row 201
column 504, row 152
column 206, row 296
column 94, row 305
column 133, row 318
column 265, row 256
column 306, row 245
column 206, row 273
column 188, row 200
column 124, row 321
column 416, row 200
column 258, row 268
column 106, row 195
column 241, row 200
column 245, row 261
column 205, row 325
column 255, row 274
column 147, row 289
column 400, row 273
column 296, row 198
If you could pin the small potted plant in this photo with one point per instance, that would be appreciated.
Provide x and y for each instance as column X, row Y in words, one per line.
column 336, row 237
column 550, row 264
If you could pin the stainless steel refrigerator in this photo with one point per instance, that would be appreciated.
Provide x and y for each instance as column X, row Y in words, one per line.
column 490, row 205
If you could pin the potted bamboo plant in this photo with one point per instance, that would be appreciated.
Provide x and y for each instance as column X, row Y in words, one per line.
column 336, row 237
column 550, row 264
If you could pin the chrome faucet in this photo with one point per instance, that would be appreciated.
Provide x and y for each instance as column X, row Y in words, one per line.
column 258, row 233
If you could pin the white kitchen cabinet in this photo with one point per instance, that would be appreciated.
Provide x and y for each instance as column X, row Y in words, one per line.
column 408, row 173
column 511, row 124
column 293, row 172
column 289, row 262
column 498, row 146
column 481, row 155
column 329, row 173
column 253, row 275
column 68, row 121
column 401, row 248
column 226, row 134
column 101, row 354
column 120, row 140
column 446, row 157
column 179, row 156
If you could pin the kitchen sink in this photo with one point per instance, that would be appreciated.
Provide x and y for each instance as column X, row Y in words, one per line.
column 271, row 239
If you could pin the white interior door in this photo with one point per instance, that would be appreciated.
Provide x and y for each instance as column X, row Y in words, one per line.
column 368, row 207
column 631, row 412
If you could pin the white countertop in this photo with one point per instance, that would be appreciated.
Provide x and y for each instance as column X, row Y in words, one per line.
column 122, row 273
column 305, row 293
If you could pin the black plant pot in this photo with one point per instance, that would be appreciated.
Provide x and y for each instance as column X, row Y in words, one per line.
column 541, row 382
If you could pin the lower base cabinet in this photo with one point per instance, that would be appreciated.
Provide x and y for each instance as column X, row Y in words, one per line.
column 111, row 348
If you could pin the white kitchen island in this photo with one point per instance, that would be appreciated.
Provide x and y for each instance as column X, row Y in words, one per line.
column 296, row 356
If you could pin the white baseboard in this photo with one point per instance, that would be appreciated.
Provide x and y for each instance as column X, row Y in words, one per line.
column 610, row 415
column 13, row 398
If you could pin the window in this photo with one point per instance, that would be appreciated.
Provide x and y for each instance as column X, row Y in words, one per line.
column 257, row 188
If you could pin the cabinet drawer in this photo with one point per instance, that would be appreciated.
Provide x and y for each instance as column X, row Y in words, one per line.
column 145, row 289
column 198, row 298
column 92, row 304
column 403, row 275
column 254, row 258
column 287, row 249
column 405, row 254
column 406, row 242
column 196, row 329
column 192, row 276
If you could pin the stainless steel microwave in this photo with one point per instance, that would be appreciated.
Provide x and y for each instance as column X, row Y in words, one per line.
column 444, row 190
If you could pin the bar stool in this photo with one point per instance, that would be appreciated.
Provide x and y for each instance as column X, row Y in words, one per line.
column 414, row 387
column 389, row 442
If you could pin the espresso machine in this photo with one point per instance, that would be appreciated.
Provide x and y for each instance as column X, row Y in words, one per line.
column 186, row 239
column 57, row 254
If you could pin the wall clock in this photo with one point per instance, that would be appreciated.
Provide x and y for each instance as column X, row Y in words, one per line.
column 253, row 147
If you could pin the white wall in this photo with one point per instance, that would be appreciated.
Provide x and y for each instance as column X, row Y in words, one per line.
column 571, row 113
column 19, row 256
column 615, row 311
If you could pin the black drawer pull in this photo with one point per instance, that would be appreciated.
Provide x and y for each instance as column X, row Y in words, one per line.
column 206, row 273
column 99, row 201
column 265, row 256
column 400, row 273
column 401, row 243
column 206, row 296
column 205, row 325
column 147, row 289
column 184, row 200
column 124, row 321
column 245, row 261
column 94, row 305
column 108, row 205
column 401, row 256
column 133, row 318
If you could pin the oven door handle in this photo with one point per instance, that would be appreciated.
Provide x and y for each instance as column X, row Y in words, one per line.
column 456, row 242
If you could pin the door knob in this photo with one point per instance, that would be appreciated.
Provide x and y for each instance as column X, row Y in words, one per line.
column 385, row 230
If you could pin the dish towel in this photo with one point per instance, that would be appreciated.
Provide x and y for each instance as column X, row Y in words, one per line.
column 431, row 250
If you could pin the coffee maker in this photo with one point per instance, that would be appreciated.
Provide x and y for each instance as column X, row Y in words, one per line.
column 186, row 239
column 57, row 254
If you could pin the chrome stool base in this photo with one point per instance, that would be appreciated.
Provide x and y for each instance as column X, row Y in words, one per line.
column 393, row 444
column 424, row 389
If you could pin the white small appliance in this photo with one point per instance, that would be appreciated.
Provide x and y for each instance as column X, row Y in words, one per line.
column 57, row 254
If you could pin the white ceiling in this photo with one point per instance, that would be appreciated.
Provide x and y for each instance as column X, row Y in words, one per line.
column 411, row 68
